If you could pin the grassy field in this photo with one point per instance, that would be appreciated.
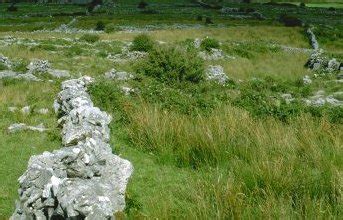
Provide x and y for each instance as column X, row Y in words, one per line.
column 200, row 150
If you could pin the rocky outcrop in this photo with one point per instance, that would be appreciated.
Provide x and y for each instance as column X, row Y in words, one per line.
column 82, row 180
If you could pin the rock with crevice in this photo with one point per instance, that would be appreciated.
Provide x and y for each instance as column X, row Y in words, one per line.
column 82, row 180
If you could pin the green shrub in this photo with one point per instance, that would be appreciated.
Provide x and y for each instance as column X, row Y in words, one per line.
column 209, row 43
column 173, row 64
column 3, row 66
column 290, row 20
column 100, row 26
column 142, row 43
column 90, row 38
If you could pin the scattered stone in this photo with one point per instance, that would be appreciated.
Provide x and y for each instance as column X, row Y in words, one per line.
column 307, row 80
column 333, row 65
column 339, row 76
column 26, row 110
column 59, row 73
column 43, row 111
column 127, row 90
column 38, row 66
column 118, row 75
column 5, row 61
column 287, row 97
column 127, row 55
column 227, row 10
column 197, row 43
column 7, row 74
column 22, row 127
column 12, row 109
column 214, row 54
column 82, row 180
column 217, row 74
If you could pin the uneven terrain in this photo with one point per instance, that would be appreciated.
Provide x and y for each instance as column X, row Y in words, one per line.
column 258, row 141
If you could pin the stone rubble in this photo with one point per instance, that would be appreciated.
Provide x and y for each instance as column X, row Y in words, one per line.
column 82, row 180
column 217, row 74
column 14, row 75
column 118, row 75
column 26, row 110
column 320, row 99
column 313, row 40
column 214, row 54
column 5, row 61
column 13, row 128
column 127, row 55
column 307, row 80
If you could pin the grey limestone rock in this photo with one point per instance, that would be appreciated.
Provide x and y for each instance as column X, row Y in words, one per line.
column 82, row 180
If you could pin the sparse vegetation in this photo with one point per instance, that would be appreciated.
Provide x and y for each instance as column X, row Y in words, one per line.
column 201, row 150
column 90, row 38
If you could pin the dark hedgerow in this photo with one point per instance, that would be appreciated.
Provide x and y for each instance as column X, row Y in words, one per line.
column 100, row 26
column 142, row 43
column 290, row 21
column 173, row 65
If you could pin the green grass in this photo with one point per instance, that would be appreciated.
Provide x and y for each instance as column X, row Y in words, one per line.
column 200, row 150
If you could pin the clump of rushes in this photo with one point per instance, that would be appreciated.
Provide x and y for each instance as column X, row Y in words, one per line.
column 142, row 43
column 209, row 43
column 90, row 38
column 173, row 65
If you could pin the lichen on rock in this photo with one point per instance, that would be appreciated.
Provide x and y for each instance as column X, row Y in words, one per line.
column 82, row 180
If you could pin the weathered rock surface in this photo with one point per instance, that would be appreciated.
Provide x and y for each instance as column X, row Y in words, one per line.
column 22, row 127
column 5, row 61
column 82, row 180
column 312, row 38
column 217, row 74
column 118, row 75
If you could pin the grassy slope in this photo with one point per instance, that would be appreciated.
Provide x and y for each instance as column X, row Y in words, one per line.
column 264, row 168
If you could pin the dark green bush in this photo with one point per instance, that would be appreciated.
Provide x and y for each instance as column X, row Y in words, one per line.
column 173, row 64
column 100, row 26
column 142, row 4
column 142, row 43
column 290, row 21
column 90, row 38
column 209, row 43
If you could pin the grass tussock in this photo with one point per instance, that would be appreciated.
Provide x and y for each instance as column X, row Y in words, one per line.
column 266, row 167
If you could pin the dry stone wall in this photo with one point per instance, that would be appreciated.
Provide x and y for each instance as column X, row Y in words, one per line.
column 82, row 180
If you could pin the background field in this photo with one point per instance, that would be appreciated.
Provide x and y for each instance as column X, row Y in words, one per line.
column 200, row 150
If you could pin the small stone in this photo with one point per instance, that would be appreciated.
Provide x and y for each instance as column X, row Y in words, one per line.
column 12, row 109
column 216, row 73
column 118, row 75
column 43, row 111
column 26, row 110
column 307, row 80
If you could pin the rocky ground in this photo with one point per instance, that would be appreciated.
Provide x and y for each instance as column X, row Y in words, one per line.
column 247, row 122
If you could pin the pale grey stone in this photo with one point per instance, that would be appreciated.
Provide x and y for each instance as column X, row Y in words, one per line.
column 83, row 179
column 26, row 110
column 217, row 74
column 118, row 75
column 56, row 73
column 307, row 80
